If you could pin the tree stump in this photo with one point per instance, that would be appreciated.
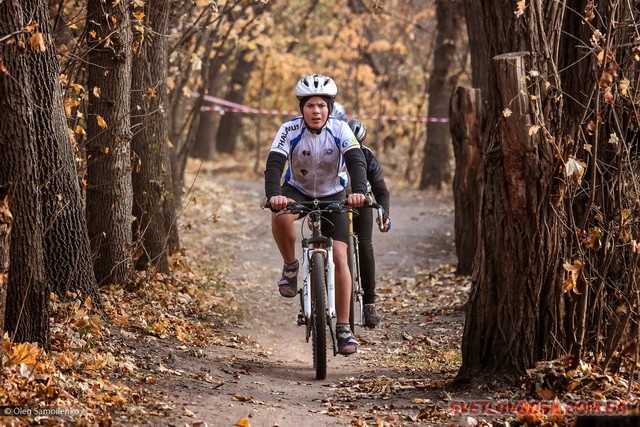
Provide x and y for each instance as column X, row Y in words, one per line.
column 6, row 222
column 465, row 117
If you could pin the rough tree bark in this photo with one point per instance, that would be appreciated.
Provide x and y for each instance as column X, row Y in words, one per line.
column 465, row 122
column 6, row 222
column 27, row 312
column 109, row 188
column 436, row 167
column 68, row 263
column 153, row 200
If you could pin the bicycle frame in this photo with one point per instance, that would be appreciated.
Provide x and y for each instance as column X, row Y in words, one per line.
column 356, row 315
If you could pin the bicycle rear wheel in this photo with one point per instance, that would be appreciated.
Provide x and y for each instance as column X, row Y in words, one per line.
column 319, row 315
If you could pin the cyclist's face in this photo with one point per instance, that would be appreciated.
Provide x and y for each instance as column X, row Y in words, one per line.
column 315, row 112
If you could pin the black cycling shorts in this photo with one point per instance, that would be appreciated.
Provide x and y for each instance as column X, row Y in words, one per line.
column 333, row 225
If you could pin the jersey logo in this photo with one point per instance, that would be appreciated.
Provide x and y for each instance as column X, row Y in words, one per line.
column 349, row 142
column 328, row 151
column 287, row 129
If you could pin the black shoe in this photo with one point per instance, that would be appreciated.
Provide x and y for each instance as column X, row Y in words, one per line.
column 288, row 283
column 371, row 317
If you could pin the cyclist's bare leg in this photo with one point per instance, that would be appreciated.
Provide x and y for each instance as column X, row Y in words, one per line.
column 343, row 281
column 284, row 234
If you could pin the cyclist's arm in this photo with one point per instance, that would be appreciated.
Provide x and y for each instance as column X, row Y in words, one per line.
column 357, row 167
column 273, row 173
column 376, row 179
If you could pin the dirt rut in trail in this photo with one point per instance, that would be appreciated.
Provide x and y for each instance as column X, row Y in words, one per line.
column 266, row 373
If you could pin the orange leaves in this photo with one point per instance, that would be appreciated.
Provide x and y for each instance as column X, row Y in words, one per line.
column 38, row 42
column 575, row 270
column 243, row 422
column 520, row 7
column 101, row 122
column 151, row 93
column 23, row 353
column 589, row 11
column 139, row 16
column 31, row 27
column 3, row 69
column 592, row 239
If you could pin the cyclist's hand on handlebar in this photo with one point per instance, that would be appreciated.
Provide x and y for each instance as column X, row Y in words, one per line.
column 386, row 227
column 355, row 200
column 278, row 203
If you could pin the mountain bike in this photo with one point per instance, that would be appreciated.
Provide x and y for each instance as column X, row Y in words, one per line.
column 317, row 295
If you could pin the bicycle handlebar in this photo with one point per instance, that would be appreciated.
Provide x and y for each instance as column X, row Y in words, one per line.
column 331, row 206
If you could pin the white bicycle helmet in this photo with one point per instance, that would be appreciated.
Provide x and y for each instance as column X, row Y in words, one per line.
column 339, row 112
column 316, row 85
column 359, row 130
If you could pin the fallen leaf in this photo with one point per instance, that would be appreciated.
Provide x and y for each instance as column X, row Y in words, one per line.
column 623, row 85
column 243, row 422
column 38, row 42
column 101, row 122
column 31, row 27
column 187, row 412
column 534, row 130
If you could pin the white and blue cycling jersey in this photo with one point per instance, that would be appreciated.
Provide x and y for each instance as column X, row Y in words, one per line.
column 316, row 163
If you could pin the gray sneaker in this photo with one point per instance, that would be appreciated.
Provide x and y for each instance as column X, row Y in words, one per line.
column 288, row 284
column 371, row 317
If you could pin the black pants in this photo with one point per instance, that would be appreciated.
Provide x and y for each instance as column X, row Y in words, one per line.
column 363, row 227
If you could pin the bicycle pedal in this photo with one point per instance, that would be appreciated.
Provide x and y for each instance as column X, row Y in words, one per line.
column 301, row 320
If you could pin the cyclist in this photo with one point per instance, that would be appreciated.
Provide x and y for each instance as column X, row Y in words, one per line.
column 363, row 225
column 338, row 111
column 320, row 150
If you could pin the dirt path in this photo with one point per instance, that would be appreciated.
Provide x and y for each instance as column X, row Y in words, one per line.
column 265, row 374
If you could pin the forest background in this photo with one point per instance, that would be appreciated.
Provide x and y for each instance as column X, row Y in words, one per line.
column 103, row 103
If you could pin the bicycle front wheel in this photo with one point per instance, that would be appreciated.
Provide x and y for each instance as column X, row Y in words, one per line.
column 319, row 315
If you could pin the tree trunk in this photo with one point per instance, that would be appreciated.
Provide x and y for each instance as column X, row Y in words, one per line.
column 511, row 321
column 205, row 131
column 465, row 123
column 109, row 190
column 66, row 241
column 470, row 137
column 230, row 124
column 537, row 209
column 153, row 207
column 436, row 167
column 6, row 222
column 27, row 312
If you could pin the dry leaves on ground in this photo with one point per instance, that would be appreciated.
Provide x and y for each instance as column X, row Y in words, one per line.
column 91, row 376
